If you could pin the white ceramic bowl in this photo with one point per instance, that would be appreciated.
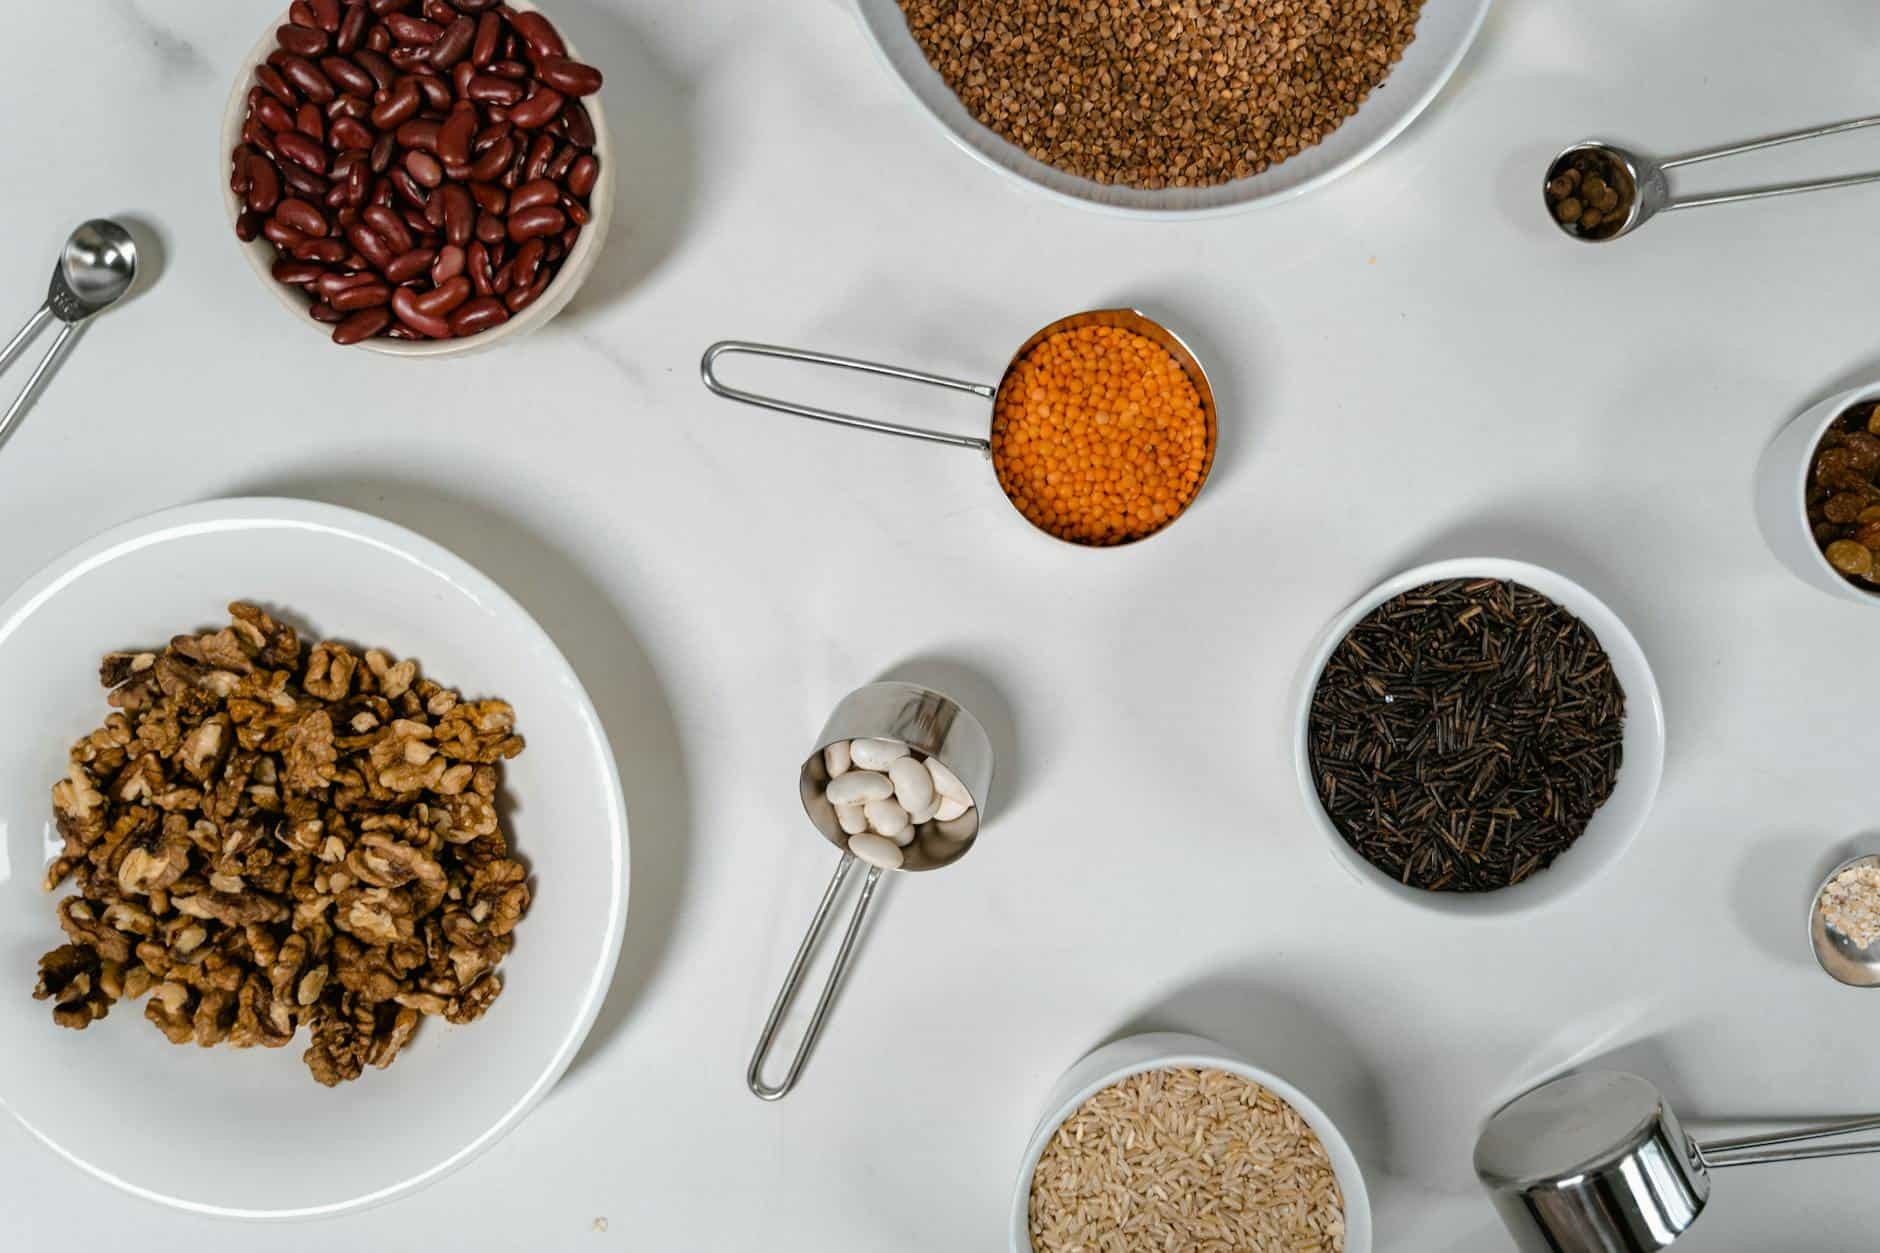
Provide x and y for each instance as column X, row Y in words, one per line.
column 574, row 271
column 1781, row 495
column 1444, row 32
column 1613, row 826
column 247, row 1132
column 1163, row 1050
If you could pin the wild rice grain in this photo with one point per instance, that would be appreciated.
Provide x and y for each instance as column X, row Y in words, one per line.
column 1200, row 1161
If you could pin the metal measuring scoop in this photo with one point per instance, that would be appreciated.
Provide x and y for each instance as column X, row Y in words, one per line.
column 932, row 724
column 1598, row 1160
column 1848, row 962
column 95, row 269
column 1650, row 193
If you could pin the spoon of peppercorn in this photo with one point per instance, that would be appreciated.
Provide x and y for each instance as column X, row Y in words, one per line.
column 96, row 266
column 1597, row 191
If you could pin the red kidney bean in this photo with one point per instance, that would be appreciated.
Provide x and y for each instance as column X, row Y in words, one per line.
column 298, row 148
column 307, row 79
column 577, row 125
column 477, row 264
column 324, row 312
column 459, row 214
column 424, row 167
column 389, row 227
column 379, row 40
column 418, row 133
column 298, row 273
column 487, row 167
column 239, row 179
column 412, row 30
column 527, row 262
column 264, row 184
column 278, row 232
column 271, row 82
column 400, row 106
column 583, row 174
column 512, row 177
column 520, row 297
column 540, row 152
column 371, row 245
column 349, row 133
column 564, row 157
column 474, row 6
column 490, row 198
column 247, row 225
column 489, row 31
column 305, row 41
column 311, row 122
column 527, row 196
column 576, row 211
column 333, row 282
column 405, row 309
column 478, row 315
column 410, row 58
column 303, row 181
column 514, row 70
column 358, row 184
column 488, row 89
column 326, row 251
column 409, row 265
column 302, row 216
column 409, row 189
column 540, row 33
column 326, row 14
column 349, row 105
column 349, row 75
column 382, row 72
column 448, row 264
column 504, row 278
column 351, row 28
column 454, row 44
column 362, row 325
column 364, row 296
column 571, row 78
column 531, row 223
column 453, row 137
column 442, row 299
column 384, row 148
column 439, row 11
column 273, row 114
column 436, row 91
column 382, row 7
column 490, row 229
column 259, row 137
column 300, row 13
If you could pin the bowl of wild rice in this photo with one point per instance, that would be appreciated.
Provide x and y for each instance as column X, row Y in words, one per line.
column 1478, row 736
column 1185, row 109
column 1171, row 1141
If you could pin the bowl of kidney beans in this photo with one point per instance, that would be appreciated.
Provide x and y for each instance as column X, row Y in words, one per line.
column 418, row 177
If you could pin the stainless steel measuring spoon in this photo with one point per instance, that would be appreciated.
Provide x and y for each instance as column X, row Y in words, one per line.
column 935, row 726
column 1598, row 1160
column 95, row 269
column 1125, row 319
column 1650, row 190
column 1838, row 955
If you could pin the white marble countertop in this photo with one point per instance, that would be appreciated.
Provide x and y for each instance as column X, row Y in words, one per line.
column 1410, row 364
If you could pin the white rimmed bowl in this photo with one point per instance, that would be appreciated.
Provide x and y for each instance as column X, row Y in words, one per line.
column 1445, row 31
column 1615, row 824
column 575, row 267
column 1164, row 1050
column 1782, row 495
column 247, row 1133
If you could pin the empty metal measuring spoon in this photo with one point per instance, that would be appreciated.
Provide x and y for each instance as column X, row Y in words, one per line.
column 1597, row 1160
column 1131, row 320
column 1649, row 193
column 94, row 270
column 935, row 726
column 1842, row 958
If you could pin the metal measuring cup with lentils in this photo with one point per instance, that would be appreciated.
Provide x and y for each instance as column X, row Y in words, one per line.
column 422, row 167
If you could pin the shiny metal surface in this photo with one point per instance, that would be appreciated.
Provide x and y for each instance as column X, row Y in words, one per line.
column 1655, row 190
column 96, row 267
column 936, row 726
column 1839, row 956
column 1598, row 1162
column 1132, row 320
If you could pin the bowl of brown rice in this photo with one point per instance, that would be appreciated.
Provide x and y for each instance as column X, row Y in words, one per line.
column 1171, row 1141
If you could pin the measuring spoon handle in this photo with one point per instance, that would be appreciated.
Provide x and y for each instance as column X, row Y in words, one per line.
column 1770, row 141
column 1780, row 189
column 708, row 371
column 753, row 1075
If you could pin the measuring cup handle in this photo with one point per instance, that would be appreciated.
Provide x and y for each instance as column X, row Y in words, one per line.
column 753, row 1076
column 708, row 371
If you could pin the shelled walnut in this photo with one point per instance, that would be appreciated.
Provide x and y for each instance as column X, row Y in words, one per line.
column 264, row 838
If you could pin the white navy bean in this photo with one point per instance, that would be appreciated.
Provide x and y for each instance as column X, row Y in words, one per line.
column 947, row 783
column 876, row 754
column 885, row 816
column 876, row 850
column 913, row 787
column 858, row 787
column 851, row 819
column 836, row 759
column 948, row 809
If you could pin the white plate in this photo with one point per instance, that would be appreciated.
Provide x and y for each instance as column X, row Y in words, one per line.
column 247, row 1132
column 1444, row 32
column 1616, row 822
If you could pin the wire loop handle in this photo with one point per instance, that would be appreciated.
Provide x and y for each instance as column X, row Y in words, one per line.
column 1782, row 189
column 708, row 371
column 1757, row 1149
column 753, row 1076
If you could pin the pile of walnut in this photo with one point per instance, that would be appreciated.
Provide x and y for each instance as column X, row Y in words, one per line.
column 265, row 837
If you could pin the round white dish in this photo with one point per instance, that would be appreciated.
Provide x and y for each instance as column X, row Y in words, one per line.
column 247, row 1132
column 574, row 271
column 1782, row 495
column 1445, row 31
column 1162, row 1050
column 1615, row 824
